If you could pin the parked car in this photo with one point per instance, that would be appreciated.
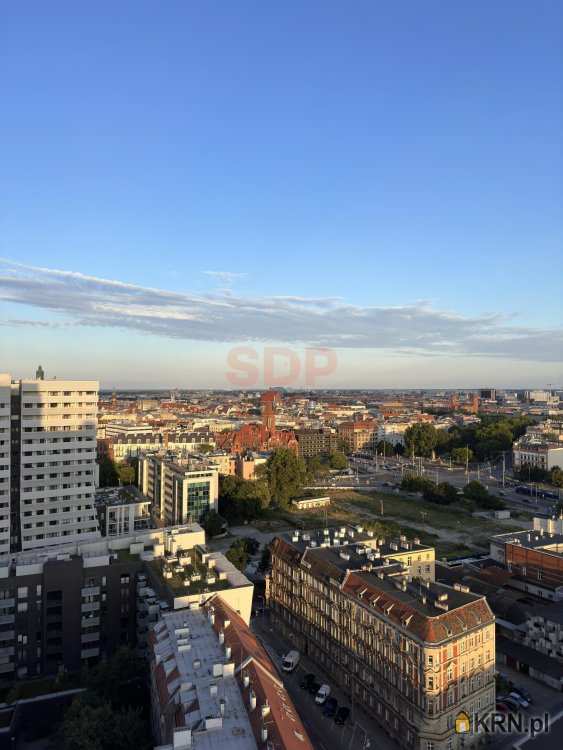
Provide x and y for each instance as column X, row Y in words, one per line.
column 330, row 707
column 342, row 715
column 314, row 687
column 512, row 704
column 307, row 680
column 522, row 702
column 322, row 694
column 290, row 661
column 524, row 693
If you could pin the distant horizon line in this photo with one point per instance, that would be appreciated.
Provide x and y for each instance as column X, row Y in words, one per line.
column 163, row 389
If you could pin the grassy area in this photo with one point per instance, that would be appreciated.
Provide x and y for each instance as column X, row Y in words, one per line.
column 452, row 530
column 456, row 518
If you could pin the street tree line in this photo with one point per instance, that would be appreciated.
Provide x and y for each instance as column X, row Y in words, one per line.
column 483, row 442
column 444, row 493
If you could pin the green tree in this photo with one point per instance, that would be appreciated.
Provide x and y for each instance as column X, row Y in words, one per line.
column 108, row 473
column 120, row 681
column 420, row 439
column 242, row 499
column 443, row 442
column 343, row 447
column 337, row 460
column 126, row 473
column 286, row 475
column 416, row 484
column 206, row 448
column 556, row 476
column 213, row 523
column 461, row 455
column 441, row 494
column 528, row 473
column 90, row 724
column 240, row 550
column 385, row 448
column 475, row 491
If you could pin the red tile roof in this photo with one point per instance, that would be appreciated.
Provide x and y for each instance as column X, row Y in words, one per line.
column 285, row 728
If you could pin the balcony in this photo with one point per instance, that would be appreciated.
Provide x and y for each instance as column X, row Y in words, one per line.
column 90, row 622
column 91, row 591
column 90, row 638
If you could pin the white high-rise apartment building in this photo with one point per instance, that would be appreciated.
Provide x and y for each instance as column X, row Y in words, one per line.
column 5, row 450
column 51, row 462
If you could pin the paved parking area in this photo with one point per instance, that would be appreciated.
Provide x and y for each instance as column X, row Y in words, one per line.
column 545, row 699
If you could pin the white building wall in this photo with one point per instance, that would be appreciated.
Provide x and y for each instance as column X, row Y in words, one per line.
column 5, row 462
column 58, row 457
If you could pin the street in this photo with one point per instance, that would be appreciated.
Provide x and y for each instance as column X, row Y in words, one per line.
column 359, row 733
column 372, row 474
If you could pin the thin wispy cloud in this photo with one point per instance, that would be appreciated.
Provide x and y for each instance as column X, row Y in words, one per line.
column 417, row 328
column 226, row 277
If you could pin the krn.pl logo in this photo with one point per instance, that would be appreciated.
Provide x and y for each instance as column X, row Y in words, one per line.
column 462, row 723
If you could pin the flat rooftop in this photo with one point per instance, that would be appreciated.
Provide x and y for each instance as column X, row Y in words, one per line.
column 198, row 670
column 534, row 539
column 119, row 496
column 356, row 536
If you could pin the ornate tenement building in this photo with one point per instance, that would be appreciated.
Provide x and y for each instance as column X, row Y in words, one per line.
column 411, row 652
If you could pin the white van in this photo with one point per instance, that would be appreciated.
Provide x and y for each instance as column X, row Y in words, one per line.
column 290, row 661
column 322, row 695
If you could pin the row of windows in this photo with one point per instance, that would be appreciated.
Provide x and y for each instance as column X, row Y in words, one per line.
column 60, row 428
column 56, row 475
column 50, row 535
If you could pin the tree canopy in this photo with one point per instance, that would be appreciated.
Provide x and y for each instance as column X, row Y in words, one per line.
column 112, row 714
column 286, row 475
column 337, row 460
column 240, row 551
column 461, row 455
column 242, row 499
column 108, row 472
column 213, row 523
column 420, row 439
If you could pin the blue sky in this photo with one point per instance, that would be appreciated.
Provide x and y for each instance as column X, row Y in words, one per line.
column 374, row 157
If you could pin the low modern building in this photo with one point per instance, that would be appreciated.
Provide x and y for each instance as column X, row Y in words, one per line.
column 411, row 652
column 213, row 685
column 310, row 503
column 180, row 490
column 122, row 511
